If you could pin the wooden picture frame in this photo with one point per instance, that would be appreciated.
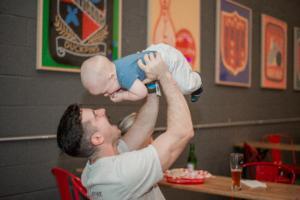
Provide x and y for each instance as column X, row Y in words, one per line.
column 274, row 53
column 177, row 23
column 297, row 58
column 233, row 44
column 68, row 32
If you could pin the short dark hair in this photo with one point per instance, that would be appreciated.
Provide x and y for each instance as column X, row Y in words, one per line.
column 70, row 131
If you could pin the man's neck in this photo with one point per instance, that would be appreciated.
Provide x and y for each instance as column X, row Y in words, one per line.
column 106, row 150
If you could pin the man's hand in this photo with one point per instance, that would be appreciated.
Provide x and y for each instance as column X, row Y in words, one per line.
column 154, row 67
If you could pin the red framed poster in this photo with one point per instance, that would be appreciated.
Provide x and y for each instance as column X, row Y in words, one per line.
column 274, row 53
column 297, row 58
column 177, row 23
column 233, row 46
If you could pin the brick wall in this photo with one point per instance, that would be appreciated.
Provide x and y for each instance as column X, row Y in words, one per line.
column 31, row 101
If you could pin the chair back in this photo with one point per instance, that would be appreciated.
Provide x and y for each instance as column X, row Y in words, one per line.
column 79, row 189
column 277, row 139
column 275, row 153
column 269, row 171
column 251, row 154
column 65, row 182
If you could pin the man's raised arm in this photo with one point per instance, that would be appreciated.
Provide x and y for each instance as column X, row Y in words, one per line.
column 179, row 131
column 143, row 126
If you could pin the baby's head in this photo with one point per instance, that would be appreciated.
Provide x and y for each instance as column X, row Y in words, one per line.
column 96, row 74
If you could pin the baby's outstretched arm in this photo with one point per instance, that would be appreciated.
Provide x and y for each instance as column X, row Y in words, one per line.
column 137, row 91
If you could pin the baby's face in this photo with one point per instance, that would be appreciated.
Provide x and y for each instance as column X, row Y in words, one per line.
column 111, row 88
column 99, row 86
column 102, row 86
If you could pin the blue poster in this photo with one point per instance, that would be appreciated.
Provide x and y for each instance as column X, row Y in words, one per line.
column 233, row 59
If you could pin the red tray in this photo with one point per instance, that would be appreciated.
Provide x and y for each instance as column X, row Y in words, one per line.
column 184, row 180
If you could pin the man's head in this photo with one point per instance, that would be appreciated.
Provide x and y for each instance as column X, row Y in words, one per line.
column 70, row 131
column 82, row 131
column 98, row 75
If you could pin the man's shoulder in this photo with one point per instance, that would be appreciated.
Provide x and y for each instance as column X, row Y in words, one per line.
column 122, row 146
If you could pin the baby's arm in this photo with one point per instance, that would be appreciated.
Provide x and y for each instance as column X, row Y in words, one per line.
column 137, row 91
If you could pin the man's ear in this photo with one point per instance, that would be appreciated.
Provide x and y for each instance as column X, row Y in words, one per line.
column 97, row 139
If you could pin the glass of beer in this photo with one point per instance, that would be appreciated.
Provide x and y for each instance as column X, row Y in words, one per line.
column 236, row 162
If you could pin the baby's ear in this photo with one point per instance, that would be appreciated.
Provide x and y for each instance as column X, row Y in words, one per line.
column 112, row 76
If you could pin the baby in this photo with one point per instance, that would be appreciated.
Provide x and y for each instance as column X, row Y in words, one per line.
column 123, row 79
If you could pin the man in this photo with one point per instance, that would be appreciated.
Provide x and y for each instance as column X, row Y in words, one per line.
column 115, row 169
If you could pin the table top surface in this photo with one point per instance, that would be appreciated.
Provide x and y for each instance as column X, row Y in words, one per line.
column 267, row 145
column 220, row 185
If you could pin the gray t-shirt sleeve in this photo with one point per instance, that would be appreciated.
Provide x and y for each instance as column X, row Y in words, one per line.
column 122, row 146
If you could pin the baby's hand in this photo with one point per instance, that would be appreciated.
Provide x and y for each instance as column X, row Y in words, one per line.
column 116, row 97
column 145, row 81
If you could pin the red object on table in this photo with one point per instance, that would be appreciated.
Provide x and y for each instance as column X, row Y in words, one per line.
column 185, row 180
column 276, row 153
column 186, row 176
column 269, row 171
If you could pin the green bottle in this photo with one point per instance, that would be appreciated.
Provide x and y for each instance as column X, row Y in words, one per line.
column 192, row 158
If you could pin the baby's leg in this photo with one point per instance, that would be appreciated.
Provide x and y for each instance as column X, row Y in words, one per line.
column 187, row 80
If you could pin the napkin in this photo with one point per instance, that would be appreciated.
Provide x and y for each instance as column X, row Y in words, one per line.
column 254, row 184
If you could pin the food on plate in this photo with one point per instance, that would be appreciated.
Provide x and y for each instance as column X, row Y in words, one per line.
column 183, row 175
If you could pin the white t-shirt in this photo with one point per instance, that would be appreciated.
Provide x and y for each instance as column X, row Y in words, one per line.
column 129, row 175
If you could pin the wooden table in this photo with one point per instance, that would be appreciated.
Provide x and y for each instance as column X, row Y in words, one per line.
column 220, row 185
column 266, row 145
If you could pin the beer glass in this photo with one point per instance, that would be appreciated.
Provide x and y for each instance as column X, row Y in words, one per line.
column 236, row 162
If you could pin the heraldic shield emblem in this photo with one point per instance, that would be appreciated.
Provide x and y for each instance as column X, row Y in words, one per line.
column 79, row 30
column 234, row 42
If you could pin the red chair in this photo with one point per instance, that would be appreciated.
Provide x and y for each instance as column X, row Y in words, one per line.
column 251, row 154
column 79, row 189
column 269, row 171
column 69, row 185
column 276, row 154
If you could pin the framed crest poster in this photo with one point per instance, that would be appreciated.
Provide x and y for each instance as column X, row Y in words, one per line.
column 70, row 31
column 177, row 23
column 274, row 53
column 297, row 58
column 233, row 46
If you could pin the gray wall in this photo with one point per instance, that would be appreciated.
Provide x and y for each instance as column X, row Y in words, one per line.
column 32, row 101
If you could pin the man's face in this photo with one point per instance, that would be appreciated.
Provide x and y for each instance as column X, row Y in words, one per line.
column 97, row 119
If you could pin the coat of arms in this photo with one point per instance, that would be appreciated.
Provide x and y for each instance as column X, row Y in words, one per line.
column 234, row 36
column 234, row 41
column 80, row 30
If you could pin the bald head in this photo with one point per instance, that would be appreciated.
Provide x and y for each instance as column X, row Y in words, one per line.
column 95, row 72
